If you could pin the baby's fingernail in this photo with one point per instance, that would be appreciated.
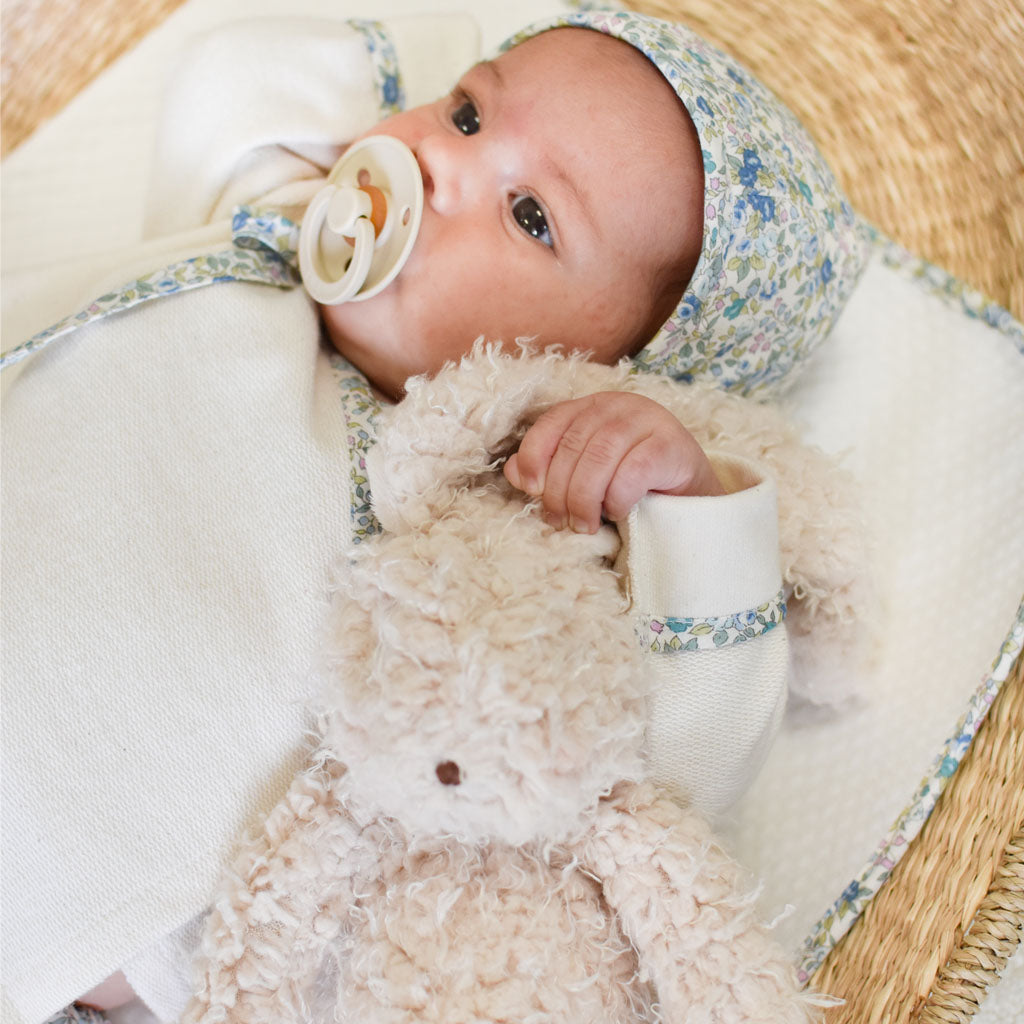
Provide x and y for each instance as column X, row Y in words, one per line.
column 512, row 474
column 533, row 487
column 578, row 525
column 557, row 521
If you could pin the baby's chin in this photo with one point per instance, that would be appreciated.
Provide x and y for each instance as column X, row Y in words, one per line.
column 356, row 335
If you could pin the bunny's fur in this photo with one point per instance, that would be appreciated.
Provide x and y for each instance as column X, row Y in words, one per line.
column 474, row 841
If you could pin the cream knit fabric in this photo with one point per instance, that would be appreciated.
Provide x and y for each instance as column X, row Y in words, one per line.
column 709, row 731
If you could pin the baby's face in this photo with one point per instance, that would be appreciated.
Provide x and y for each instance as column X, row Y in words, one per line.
column 560, row 181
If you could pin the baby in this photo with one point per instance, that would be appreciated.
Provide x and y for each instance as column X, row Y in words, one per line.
column 613, row 185
column 564, row 201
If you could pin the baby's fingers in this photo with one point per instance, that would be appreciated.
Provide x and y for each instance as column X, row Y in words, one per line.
column 639, row 471
column 528, row 468
column 583, row 442
column 556, row 462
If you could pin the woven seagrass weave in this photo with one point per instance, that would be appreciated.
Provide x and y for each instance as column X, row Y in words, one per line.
column 50, row 49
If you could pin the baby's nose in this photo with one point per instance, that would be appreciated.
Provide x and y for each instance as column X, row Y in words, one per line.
column 444, row 170
column 448, row 773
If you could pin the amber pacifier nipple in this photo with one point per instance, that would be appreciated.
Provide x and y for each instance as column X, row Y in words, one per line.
column 360, row 227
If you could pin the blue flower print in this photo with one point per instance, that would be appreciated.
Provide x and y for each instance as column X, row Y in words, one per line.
column 751, row 165
column 689, row 307
column 764, row 205
column 389, row 89
column 736, row 77
column 851, row 892
column 702, row 106
column 826, row 271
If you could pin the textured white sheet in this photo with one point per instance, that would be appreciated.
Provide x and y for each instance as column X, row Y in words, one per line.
column 929, row 405
column 927, row 401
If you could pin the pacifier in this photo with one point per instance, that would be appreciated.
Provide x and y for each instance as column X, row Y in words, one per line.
column 360, row 227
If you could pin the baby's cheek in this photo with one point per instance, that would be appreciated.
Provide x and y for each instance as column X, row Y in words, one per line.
column 607, row 324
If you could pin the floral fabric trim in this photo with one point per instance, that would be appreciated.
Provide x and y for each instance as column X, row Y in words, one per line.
column 269, row 231
column 941, row 283
column 385, row 65
column 76, row 1014
column 361, row 408
column 856, row 896
column 668, row 635
column 263, row 251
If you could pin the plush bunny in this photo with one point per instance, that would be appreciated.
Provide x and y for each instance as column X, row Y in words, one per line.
column 474, row 841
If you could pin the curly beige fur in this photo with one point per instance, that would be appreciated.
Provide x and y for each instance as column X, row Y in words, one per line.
column 474, row 841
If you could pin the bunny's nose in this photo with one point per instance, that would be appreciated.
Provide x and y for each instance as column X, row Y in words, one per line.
column 448, row 773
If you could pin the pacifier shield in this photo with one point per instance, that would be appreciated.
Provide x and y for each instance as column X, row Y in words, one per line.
column 360, row 227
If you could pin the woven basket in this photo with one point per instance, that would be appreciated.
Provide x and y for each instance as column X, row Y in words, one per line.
column 919, row 107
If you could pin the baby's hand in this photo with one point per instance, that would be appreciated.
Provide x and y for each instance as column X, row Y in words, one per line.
column 602, row 454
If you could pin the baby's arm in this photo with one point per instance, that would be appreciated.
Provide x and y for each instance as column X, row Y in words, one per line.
column 705, row 584
column 601, row 454
column 701, row 559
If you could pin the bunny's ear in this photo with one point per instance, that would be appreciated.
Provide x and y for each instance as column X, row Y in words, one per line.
column 459, row 425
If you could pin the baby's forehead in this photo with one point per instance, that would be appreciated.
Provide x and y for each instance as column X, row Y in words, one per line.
column 610, row 72
column 617, row 129
column 560, row 47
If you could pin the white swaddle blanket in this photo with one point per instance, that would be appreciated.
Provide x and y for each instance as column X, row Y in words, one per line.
column 207, row 509
column 912, row 387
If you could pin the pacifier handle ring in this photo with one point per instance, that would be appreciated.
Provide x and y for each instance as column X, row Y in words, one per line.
column 339, row 263
column 341, row 290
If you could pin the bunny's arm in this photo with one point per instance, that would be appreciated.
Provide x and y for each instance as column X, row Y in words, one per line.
column 282, row 899
column 684, row 905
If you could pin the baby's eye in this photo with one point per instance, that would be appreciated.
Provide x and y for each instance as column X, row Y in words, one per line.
column 530, row 217
column 465, row 118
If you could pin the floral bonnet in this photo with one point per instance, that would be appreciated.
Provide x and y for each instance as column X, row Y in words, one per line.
column 782, row 248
